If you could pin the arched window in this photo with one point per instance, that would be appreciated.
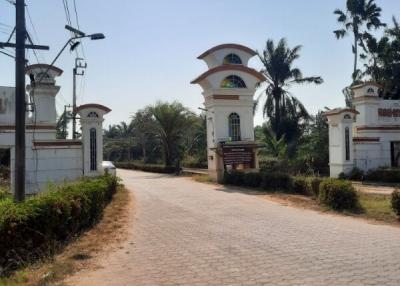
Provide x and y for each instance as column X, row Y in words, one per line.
column 234, row 127
column 232, row 59
column 347, row 116
column 370, row 90
column 233, row 81
column 93, row 150
column 93, row 114
column 347, row 143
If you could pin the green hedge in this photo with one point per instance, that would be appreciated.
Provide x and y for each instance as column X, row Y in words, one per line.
column 153, row 168
column 267, row 181
column 335, row 193
column 383, row 175
column 276, row 181
column 36, row 227
column 338, row 194
column 395, row 201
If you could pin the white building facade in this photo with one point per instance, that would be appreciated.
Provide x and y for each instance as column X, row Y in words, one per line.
column 228, row 89
column 366, row 136
column 51, row 160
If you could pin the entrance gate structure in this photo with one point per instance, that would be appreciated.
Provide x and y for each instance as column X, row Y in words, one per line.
column 228, row 89
column 366, row 136
column 51, row 160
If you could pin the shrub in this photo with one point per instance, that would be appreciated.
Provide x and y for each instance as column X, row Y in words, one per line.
column 338, row 194
column 252, row 180
column 153, row 168
column 38, row 226
column 234, row 178
column 395, row 201
column 384, row 175
column 356, row 174
column 314, row 183
column 276, row 181
column 4, row 194
column 301, row 185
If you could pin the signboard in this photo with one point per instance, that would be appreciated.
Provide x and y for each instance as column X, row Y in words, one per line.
column 238, row 155
column 389, row 112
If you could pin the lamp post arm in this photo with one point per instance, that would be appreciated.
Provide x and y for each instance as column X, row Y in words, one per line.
column 58, row 55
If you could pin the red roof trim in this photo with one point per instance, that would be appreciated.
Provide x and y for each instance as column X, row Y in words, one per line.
column 366, row 139
column 45, row 67
column 358, row 86
column 227, row 46
column 250, row 71
column 380, row 128
column 29, row 127
column 339, row 111
column 93, row 105
column 57, row 143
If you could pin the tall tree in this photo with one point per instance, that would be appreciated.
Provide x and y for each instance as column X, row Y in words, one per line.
column 359, row 17
column 280, row 75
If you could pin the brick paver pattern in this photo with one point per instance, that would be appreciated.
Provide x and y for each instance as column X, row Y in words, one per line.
column 189, row 233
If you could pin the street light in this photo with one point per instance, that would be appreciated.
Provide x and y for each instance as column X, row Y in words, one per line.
column 78, row 35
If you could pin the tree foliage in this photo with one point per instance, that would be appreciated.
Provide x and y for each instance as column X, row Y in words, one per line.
column 383, row 61
column 280, row 75
column 359, row 17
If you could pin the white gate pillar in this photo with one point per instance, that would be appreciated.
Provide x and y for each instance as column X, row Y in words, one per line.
column 91, row 119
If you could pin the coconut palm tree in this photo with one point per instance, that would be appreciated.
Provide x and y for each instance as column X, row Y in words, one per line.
column 280, row 75
column 359, row 17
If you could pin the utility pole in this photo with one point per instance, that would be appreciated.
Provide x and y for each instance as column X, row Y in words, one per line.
column 20, row 104
column 76, row 72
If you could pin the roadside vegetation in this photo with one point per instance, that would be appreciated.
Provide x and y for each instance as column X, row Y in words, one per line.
column 81, row 251
column 40, row 226
column 321, row 194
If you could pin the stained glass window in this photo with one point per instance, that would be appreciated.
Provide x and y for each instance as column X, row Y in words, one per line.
column 233, row 81
column 234, row 127
column 93, row 150
column 232, row 59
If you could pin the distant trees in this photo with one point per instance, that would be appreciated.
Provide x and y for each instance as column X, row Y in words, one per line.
column 167, row 131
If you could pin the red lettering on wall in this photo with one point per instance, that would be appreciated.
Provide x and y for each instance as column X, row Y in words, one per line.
column 389, row 112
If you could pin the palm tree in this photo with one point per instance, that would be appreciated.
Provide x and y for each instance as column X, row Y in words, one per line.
column 171, row 122
column 143, row 125
column 280, row 75
column 359, row 15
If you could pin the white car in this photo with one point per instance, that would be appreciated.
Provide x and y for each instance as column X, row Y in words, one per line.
column 109, row 168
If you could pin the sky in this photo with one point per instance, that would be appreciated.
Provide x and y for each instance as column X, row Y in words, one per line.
column 151, row 47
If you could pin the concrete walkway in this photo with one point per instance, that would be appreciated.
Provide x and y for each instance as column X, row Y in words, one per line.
column 189, row 233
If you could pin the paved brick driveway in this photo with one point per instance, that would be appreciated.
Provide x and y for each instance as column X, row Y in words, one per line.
column 187, row 233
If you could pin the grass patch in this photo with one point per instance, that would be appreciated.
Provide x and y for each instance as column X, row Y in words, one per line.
column 79, row 253
column 377, row 207
column 201, row 178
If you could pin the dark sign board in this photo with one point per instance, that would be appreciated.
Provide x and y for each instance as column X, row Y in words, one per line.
column 238, row 155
